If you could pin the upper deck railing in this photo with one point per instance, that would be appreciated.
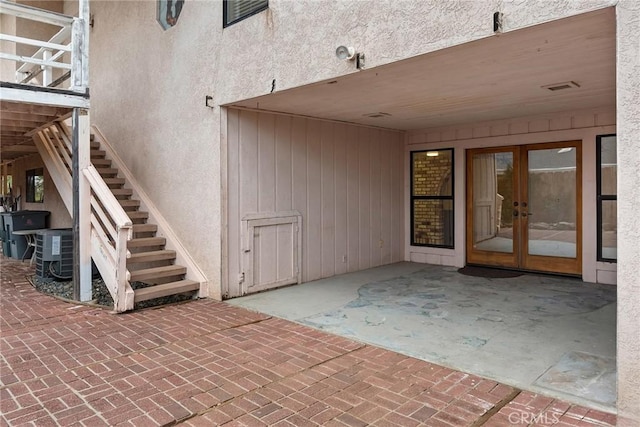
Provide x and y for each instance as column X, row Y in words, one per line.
column 65, row 55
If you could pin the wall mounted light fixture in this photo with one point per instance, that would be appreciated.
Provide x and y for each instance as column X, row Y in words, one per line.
column 349, row 53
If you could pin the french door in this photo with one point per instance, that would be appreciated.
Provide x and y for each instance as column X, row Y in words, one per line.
column 523, row 207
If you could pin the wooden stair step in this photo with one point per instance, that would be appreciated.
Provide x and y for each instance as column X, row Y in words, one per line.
column 145, row 228
column 101, row 162
column 122, row 192
column 143, row 242
column 163, row 290
column 133, row 202
column 98, row 154
column 114, row 181
column 138, row 215
column 94, row 144
column 104, row 172
column 151, row 256
column 158, row 272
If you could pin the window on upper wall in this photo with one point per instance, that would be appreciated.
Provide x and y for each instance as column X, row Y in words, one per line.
column 236, row 10
column 35, row 186
column 607, row 208
column 432, row 198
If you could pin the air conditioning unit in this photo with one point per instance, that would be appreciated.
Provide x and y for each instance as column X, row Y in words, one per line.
column 54, row 254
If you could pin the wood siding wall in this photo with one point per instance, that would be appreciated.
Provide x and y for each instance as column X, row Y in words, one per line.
column 346, row 181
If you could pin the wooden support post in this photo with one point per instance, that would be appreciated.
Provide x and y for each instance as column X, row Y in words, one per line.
column 82, row 289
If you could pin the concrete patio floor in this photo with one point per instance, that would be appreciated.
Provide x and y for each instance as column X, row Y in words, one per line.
column 552, row 335
column 211, row 363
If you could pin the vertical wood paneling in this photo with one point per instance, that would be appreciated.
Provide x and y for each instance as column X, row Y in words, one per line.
column 248, row 141
column 266, row 163
column 353, row 199
column 341, row 229
column 386, row 189
column 346, row 181
column 364, row 178
column 314, row 200
column 299, row 185
column 233, row 201
column 284, row 165
column 397, row 200
column 374, row 202
column 327, row 200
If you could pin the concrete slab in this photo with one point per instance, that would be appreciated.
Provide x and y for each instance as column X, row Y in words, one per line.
column 512, row 330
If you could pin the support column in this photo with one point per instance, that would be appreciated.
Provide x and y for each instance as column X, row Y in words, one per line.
column 82, row 288
column 628, row 131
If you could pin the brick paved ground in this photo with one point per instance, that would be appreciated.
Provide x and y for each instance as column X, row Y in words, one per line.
column 206, row 363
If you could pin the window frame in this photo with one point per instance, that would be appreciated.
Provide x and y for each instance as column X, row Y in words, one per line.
column 226, row 23
column 600, row 198
column 413, row 198
column 30, row 178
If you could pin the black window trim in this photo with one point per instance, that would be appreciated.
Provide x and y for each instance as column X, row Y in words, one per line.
column 30, row 175
column 601, row 198
column 226, row 24
column 413, row 198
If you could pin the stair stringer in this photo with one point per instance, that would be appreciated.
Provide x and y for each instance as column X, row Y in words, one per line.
column 155, row 217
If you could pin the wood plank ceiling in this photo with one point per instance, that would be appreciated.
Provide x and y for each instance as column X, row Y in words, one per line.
column 16, row 120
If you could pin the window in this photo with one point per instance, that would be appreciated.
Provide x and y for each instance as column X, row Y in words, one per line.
column 35, row 186
column 607, row 166
column 237, row 10
column 432, row 198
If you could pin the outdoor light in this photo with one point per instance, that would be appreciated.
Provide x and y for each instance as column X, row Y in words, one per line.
column 345, row 52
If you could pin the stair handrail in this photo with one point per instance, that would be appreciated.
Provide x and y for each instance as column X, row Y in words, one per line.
column 65, row 50
column 104, row 209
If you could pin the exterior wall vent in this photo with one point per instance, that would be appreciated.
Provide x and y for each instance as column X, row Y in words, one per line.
column 561, row 86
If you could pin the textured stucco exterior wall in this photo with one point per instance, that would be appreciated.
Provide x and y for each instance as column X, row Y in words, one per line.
column 148, row 85
column 628, row 108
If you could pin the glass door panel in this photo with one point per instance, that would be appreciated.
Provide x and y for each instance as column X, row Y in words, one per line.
column 552, row 199
column 492, row 201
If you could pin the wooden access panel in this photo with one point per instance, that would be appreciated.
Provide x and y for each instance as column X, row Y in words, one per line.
column 272, row 250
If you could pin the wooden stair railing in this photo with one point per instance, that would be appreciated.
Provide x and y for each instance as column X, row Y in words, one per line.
column 124, row 244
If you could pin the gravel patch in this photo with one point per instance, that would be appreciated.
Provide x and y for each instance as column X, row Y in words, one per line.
column 100, row 293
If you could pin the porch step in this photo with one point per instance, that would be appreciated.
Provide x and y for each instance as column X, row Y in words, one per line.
column 122, row 193
column 158, row 273
column 163, row 255
column 144, row 242
column 114, row 181
column 171, row 288
column 144, row 228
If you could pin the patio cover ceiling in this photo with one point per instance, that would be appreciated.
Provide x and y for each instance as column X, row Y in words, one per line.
column 490, row 79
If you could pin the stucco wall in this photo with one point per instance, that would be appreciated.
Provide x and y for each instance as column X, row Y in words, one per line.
column 149, row 98
column 628, row 94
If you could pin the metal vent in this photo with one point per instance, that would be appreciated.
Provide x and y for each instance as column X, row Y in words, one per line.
column 561, row 86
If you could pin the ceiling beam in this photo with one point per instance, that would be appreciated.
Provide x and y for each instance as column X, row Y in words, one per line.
column 18, row 148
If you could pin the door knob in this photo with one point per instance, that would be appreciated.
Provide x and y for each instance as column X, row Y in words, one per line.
column 515, row 212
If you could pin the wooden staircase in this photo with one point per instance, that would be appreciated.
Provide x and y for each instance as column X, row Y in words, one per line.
column 129, row 245
column 149, row 263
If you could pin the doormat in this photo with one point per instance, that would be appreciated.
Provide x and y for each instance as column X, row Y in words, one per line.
column 491, row 273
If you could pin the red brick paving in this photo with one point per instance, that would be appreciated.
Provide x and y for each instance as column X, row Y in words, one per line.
column 207, row 363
